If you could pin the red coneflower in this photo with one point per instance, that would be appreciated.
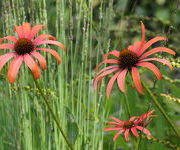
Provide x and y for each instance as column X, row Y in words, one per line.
column 25, row 47
column 131, row 125
column 128, row 60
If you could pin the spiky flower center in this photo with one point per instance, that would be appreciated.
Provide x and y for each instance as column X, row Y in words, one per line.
column 24, row 46
column 128, row 59
column 128, row 124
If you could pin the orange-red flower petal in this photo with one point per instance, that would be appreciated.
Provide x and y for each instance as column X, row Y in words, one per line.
column 126, row 134
column 149, row 43
column 35, row 30
column 116, row 136
column 53, row 42
column 104, row 70
column 121, row 80
column 108, row 61
column 164, row 61
column 5, row 58
column 134, row 131
column 6, row 46
column 144, row 130
column 117, row 120
column 110, row 84
column 40, row 58
column 152, row 68
column 135, row 48
column 114, row 53
column 33, row 66
column 136, row 79
column 112, row 129
column 14, row 68
column 102, row 76
column 143, row 35
column 11, row 38
column 26, row 29
column 41, row 38
column 53, row 52
column 20, row 31
column 157, row 49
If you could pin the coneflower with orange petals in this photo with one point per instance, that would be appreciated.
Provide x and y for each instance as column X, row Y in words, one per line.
column 25, row 48
column 128, row 60
column 131, row 125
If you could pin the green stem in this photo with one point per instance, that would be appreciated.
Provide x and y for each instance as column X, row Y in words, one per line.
column 158, row 105
column 129, row 115
column 138, row 143
column 52, row 113
column 167, row 143
column 127, row 105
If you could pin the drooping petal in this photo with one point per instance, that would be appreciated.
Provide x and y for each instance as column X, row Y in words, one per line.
column 144, row 130
column 164, row 61
column 157, row 49
column 112, row 129
column 41, row 38
column 6, row 46
column 114, row 123
column 105, row 69
column 116, row 136
column 20, row 31
column 35, row 30
column 52, row 38
column 33, row 66
column 149, row 43
column 14, row 68
column 5, row 58
column 27, row 29
column 114, row 53
column 98, row 85
column 53, row 52
column 126, row 134
column 52, row 42
column 136, row 80
column 117, row 120
column 152, row 68
column 102, row 76
column 121, row 80
column 108, row 61
column 40, row 58
column 110, row 84
column 11, row 38
column 134, row 131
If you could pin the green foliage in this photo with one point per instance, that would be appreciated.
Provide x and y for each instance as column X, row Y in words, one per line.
column 88, row 29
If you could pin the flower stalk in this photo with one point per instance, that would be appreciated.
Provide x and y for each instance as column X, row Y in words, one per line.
column 52, row 113
column 127, row 105
column 158, row 105
column 167, row 143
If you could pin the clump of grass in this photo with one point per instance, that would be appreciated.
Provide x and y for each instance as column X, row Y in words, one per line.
column 88, row 29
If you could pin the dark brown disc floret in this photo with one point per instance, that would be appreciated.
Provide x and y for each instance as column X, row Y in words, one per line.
column 24, row 46
column 128, row 59
column 128, row 124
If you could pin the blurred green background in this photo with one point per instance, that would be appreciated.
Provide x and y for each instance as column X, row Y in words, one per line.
column 88, row 29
